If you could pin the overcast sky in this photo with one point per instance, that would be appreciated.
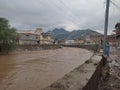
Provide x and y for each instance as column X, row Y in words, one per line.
column 50, row 14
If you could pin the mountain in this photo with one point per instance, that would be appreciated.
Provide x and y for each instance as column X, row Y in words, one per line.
column 82, row 33
column 64, row 34
column 59, row 33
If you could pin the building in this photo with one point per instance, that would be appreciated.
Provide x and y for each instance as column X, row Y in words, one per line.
column 27, row 38
column 93, row 39
column 38, row 31
column 46, row 38
column 69, row 42
column 111, row 39
column 96, row 39
column 79, row 41
column 117, row 27
column 34, row 37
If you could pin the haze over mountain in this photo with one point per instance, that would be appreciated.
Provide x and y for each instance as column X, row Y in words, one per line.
column 64, row 34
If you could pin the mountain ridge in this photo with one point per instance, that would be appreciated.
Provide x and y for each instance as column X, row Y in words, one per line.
column 64, row 34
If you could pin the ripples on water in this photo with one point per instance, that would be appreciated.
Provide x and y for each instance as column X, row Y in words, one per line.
column 38, row 69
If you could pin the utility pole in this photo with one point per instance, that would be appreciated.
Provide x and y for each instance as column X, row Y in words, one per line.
column 106, row 25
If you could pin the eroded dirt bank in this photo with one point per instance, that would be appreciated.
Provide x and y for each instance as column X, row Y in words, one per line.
column 111, row 72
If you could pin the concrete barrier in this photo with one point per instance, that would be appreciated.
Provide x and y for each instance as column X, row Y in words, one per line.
column 84, row 77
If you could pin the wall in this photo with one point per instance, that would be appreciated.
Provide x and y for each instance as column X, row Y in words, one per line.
column 84, row 77
column 93, row 47
column 38, row 47
column 94, row 80
column 27, row 38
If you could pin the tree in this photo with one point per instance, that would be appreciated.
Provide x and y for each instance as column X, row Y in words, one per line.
column 8, row 36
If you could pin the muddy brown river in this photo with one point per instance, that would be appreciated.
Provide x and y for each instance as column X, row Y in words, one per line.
column 37, row 69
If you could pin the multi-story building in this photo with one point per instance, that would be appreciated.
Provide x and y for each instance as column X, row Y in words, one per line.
column 117, row 27
column 28, row 38
column 34, row 37
column 79, row 41
column 96, row 39
column 46, row 39
column 111, row 39
column 69, row 42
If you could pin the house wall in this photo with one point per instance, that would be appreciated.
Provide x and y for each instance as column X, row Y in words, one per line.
column 118, row 35
column 96, row 39
column 79, row 41
column 46, row 40
column 28, row 39
column 69, row 42
column 118, row 41
column 36, row 37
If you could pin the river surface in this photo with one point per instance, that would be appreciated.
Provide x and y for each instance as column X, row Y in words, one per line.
column 37, row 69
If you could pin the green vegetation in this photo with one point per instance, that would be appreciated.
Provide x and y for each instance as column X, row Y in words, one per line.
column 8, row 36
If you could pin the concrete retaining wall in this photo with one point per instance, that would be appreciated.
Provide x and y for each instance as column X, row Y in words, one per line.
column 94, row 80
column 84, row 77
column 93, row 47
column 51, row 46
column 38, row 47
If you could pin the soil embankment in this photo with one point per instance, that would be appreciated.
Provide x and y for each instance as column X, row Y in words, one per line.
column 111, row 72
column 84, row 77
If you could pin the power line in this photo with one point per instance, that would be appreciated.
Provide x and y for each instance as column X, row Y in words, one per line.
column 115, row 5
column 71, row 15
column 118, row 8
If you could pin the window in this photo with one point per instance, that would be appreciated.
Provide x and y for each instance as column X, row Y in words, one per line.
column 27, row 35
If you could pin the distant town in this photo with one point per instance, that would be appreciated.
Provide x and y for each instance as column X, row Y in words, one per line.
column 39, row 37
column 59, row 44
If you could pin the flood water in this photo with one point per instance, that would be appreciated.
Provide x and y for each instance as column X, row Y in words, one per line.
column 37, row 69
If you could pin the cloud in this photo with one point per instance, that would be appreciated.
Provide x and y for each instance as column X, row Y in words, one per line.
column 50, row 14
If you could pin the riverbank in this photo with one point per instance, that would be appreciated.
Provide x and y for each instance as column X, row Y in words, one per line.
column 111, row 72
column 84, row 77
column 28, row 48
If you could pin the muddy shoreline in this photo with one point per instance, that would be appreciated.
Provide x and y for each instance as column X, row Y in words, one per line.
column 110, row 79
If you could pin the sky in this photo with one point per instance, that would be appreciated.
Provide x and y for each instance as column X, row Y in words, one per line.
column 68, row 14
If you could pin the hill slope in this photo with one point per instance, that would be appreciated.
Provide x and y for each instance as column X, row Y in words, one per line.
column 64, row 34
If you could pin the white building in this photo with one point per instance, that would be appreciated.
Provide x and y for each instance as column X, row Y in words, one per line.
column 69, row 42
